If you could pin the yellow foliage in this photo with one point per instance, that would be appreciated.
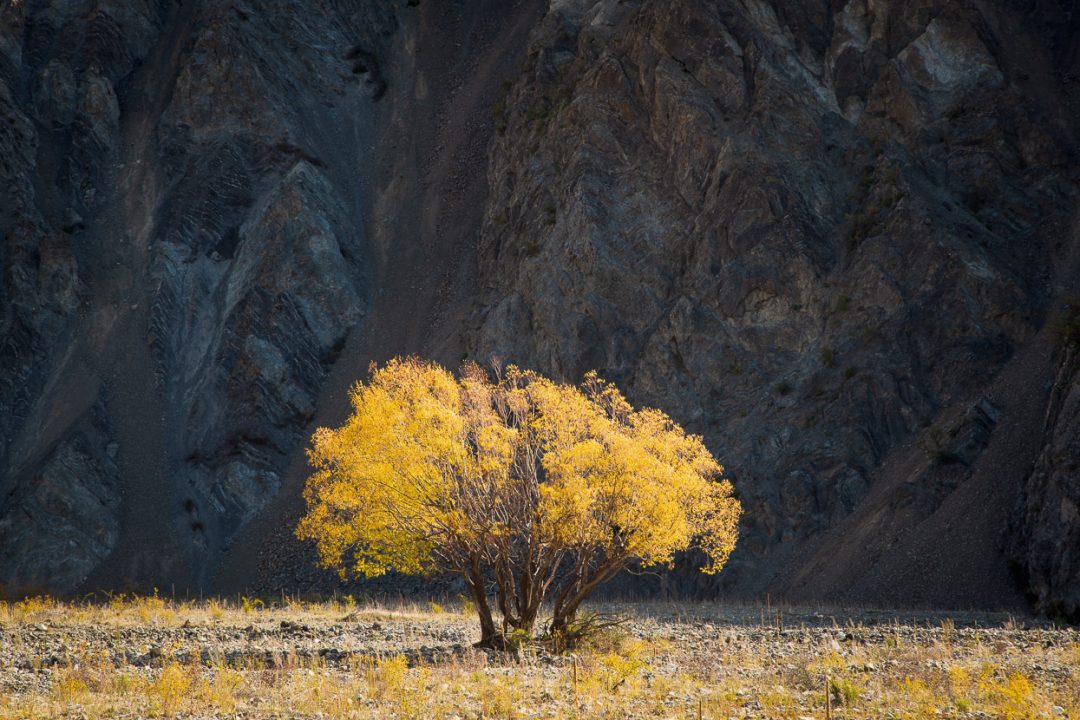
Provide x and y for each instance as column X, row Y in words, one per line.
column 171, row 687
column 623, row 667
column 432, row 470
column 71, row 686
column 920, row 696
column 30, row 608
column 220, row 692
column 1014, row 697
column 387, row 677
column 148, row 607
column 249, row 605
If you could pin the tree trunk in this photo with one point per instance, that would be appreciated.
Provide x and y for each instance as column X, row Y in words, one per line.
column 560, row 622
column 489, row 636
column 528, row 618
column 567, row 605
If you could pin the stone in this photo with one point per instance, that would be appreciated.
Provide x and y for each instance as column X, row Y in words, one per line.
column 828, row 237
column 759, row 264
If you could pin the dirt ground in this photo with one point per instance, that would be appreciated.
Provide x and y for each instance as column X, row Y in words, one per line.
column 154, row 658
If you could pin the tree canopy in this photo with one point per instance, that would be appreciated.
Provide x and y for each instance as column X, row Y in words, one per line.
column 518, row 483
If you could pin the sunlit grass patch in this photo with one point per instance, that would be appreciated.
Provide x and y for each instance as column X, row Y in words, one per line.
column 156, row 657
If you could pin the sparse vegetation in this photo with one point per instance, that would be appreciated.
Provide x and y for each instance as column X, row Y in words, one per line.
column 306, row 660
column 845, row 692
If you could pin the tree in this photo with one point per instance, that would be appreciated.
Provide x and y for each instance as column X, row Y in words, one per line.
column 531, row 488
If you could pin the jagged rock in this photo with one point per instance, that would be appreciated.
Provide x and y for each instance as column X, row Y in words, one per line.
column 826, row 236
column 175, row 153
column 776, row 230
column 1044, row 536
column 57, row 527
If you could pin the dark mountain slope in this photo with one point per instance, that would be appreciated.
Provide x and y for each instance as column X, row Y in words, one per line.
column 837, row 239
column 827, row 239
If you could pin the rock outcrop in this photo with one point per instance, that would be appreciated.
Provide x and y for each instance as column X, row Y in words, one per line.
column 64, row 521
column 1045, row 529
column 830, row 237
column 813, row 235
column 184, row 256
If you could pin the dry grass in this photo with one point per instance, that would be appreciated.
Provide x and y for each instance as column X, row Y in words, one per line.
column 154, row 610
column 87, row 661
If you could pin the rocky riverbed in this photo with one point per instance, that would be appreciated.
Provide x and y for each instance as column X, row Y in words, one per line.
column 152, row 657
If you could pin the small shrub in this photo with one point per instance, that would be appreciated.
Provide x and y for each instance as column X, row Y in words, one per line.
column 27, row 609
column 845, row 692
column 171, row 688
column 122, row 683
column 622, row 667
column 250, row 605
column 70, row 687
column 518, row 639
column 387, row 678
column 498, row 699
column 1013, row 697
column 593, row 629
column 149, row 607
column 220, row 693
column 468, row 606
column 216, row 608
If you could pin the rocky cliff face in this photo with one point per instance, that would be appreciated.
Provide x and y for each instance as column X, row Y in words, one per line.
column 184, row 255
column 817, row 235
column 834, row 238
column 1044, row 533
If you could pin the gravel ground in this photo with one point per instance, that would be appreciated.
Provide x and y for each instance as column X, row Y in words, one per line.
column 666, row 660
